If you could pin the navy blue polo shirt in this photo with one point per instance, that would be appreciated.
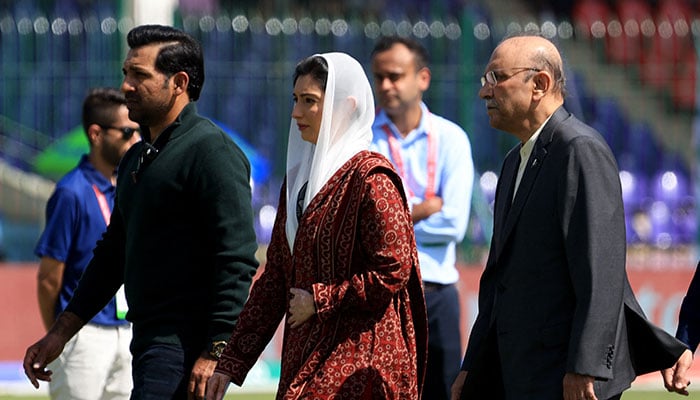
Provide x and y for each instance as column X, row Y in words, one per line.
column 74, row 224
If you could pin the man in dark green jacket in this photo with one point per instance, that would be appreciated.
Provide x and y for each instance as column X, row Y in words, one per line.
column 181, row 237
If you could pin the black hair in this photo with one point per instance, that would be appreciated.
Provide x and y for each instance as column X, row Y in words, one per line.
column 316, row 66
column 100, row 106
column 420, row 53
column 180, row 52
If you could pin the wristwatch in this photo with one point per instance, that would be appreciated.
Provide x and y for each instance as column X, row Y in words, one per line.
column 216, row 348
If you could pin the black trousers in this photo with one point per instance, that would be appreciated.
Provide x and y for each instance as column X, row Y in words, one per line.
column 491, row 373
column 444, row 340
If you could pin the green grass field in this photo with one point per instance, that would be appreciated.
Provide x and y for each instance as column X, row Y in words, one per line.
column 233, row 396
column 652, row 395
column 629, row 395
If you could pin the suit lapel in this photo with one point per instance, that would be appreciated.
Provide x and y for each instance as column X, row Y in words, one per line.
column 504, row 196
column 506, row 221
column 532, row 168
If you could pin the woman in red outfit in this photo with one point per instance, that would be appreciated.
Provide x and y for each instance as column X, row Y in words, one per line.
column 342, row 267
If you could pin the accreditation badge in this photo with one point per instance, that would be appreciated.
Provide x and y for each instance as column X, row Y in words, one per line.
column 122, row 306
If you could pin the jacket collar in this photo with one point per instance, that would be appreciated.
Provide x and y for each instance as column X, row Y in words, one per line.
column 171, row 132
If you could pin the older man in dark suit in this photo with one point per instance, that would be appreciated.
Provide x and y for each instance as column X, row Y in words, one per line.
column 557, row 317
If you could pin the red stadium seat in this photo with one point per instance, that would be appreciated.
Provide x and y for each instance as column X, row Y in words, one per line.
column 674, row 10
column 668, row 64
column 683, row 89
column 591, row 18
column 673, row 19
column 656, row 69
column 626, row 43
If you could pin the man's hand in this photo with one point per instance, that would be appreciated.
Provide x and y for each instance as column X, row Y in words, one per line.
column 39, row 355
column 675, row 379
column 217, row 385
column 578, row 387
column 427, row 208
column 301, row 307
column 202, row 370
column 48, row 348
column 458, row 385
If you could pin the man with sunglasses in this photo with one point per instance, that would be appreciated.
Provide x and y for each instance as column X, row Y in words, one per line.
column 98, row 364
column 557, row 316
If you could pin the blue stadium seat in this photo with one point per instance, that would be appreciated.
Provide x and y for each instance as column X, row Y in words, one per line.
column 611, row 121
column 642, row 149
column 579, row 100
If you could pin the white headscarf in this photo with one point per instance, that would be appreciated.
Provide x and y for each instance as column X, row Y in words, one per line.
column 346, row 129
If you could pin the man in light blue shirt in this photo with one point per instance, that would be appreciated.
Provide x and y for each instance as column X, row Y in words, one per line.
column 433, row 157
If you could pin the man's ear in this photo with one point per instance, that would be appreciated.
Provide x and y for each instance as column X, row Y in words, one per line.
column 424, row 76
column 180, row 82
column 93, row 134
column 543, row 83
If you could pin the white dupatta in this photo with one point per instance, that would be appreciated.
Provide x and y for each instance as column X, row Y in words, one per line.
column 346, row 129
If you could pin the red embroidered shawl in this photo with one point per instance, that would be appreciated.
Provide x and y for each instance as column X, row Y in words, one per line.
column 355, row 251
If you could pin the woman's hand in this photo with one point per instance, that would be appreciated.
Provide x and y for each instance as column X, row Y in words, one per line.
column 301, row 307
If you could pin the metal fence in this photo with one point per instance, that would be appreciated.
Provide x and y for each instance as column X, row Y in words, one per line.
column 51, row 56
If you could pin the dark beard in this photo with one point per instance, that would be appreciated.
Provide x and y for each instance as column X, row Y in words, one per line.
column 111, row 155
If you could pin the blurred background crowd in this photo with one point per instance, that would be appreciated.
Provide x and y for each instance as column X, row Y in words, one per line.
column 631, row 65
